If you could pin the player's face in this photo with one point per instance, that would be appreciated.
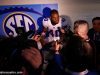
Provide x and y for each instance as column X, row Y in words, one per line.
column 55, row 18
column 96, row 25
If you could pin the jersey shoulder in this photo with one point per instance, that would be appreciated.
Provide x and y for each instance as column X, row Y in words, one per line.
column 46, row 22
column 46, row 19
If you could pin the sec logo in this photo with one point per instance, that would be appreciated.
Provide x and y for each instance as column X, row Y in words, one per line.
column 15, row 20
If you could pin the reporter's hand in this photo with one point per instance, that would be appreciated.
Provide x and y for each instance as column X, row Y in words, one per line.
column 57, row 47
column 36, row 38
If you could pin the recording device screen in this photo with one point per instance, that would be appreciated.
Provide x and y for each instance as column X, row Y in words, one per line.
column 20, row 30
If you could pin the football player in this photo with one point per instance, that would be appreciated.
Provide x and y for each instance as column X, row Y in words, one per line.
column 52, row 26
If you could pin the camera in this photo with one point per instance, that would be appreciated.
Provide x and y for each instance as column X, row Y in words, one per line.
column 20, row 30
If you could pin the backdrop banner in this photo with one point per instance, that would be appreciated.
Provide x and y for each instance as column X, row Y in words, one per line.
column 28, row 16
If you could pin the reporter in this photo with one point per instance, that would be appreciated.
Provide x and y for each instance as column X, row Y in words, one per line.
column 79, row 54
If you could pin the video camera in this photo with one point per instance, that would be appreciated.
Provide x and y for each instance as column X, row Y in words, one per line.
column 22, row 33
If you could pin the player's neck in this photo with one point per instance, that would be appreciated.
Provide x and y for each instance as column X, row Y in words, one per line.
column 53, row 23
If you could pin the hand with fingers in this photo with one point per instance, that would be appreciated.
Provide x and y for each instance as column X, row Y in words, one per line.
column 57, row 47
